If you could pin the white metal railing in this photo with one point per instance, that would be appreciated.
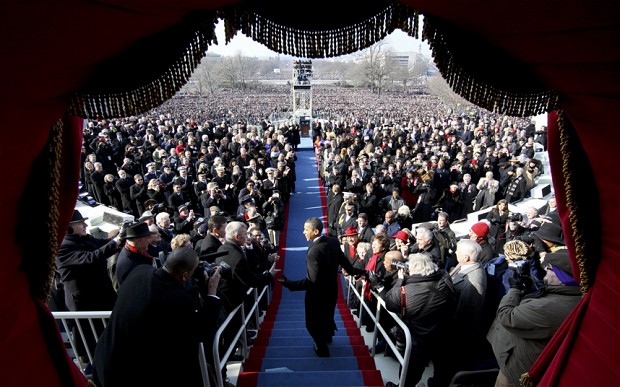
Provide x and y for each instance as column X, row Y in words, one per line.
column 220, row 363
column 375, row 316
column 69, row 319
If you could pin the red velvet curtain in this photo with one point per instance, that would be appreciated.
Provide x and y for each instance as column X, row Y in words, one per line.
column 53, row 49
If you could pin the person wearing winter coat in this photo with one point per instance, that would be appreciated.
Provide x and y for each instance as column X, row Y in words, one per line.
column 525, row 323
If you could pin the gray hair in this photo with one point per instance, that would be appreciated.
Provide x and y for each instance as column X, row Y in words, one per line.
column 425, row 233
column 161, row 216
column 362, row 246
column 422, row 264
column 233, row 229
column 470, row 248
column 404, row 210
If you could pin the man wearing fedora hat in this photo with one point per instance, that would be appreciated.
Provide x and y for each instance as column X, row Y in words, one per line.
column 135, row 251
column 81, row 266
column 549, row 238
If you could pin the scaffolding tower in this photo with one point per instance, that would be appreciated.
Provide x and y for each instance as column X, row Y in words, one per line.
column 302, row 95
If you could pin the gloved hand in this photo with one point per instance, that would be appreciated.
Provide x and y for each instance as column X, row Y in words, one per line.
column 514, row 280
column 515, row 283
column 371, row 277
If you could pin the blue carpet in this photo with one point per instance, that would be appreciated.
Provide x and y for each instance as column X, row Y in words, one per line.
column 283, row 354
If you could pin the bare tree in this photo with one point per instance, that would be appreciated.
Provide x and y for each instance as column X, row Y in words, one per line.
column 437, row 86
column 374, row 67
column 401, row 75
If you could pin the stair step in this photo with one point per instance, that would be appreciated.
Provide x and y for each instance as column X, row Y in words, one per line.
column 308, row 378
column 295, row 332
column 313, row 363
column 305, row 341
column 286, row 352
column 297, row 322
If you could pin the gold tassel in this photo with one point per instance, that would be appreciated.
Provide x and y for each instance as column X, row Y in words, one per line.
column 527, row 381
column 39, row 209
column 586, row 237
column 92, row 104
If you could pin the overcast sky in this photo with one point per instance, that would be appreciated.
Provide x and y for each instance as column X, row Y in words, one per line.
column 398, row 40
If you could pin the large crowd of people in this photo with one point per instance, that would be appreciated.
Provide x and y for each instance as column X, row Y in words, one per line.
column 214, row 174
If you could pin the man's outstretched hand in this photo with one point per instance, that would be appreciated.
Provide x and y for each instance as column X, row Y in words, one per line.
column 284, row 281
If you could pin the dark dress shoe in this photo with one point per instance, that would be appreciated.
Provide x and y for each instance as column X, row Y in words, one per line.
column 321, row 350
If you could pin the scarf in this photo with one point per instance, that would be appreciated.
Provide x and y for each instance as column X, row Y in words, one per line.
column 370, row 266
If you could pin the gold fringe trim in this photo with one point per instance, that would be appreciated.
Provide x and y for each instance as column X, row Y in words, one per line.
column 124, row 103
column 307, row 43
column 39, row 210
column 527, row 381
column 582, row 206
column 481, row 93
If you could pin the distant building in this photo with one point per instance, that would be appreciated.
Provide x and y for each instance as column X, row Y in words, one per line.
column 405, row 59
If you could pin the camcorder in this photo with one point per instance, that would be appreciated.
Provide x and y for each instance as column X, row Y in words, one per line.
column 522, row 272
column 397, row 265
column 124, row 226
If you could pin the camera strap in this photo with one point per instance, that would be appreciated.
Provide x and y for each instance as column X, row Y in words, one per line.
column 403, row 301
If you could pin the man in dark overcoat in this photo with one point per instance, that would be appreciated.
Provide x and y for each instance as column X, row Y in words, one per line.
column 82, row 269
column 158, row 321
column 323, row 258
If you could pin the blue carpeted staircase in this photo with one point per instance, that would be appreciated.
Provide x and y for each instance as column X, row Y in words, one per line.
column 283, row 353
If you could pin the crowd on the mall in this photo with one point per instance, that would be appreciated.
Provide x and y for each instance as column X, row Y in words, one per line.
column 208, row 182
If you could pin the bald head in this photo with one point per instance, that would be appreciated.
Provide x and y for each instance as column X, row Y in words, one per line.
column 181, row 263
column 390, row 256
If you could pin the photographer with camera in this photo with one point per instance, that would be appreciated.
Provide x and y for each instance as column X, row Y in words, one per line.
column 184, row 220
column 214, row 196
column 152, row 299
column 516, row 231
column 526, row 323
column 273, row 209
column 82, row 273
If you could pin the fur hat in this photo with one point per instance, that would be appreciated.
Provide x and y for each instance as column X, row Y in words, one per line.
column 516, row 250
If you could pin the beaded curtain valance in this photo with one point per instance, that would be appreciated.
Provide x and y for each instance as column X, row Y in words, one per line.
column 134, row 83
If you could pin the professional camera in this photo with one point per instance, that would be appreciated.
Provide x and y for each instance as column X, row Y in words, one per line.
column 126, row 224
column 397, row 265
column 210, row 268
column 521, row 267
column 515, row 217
